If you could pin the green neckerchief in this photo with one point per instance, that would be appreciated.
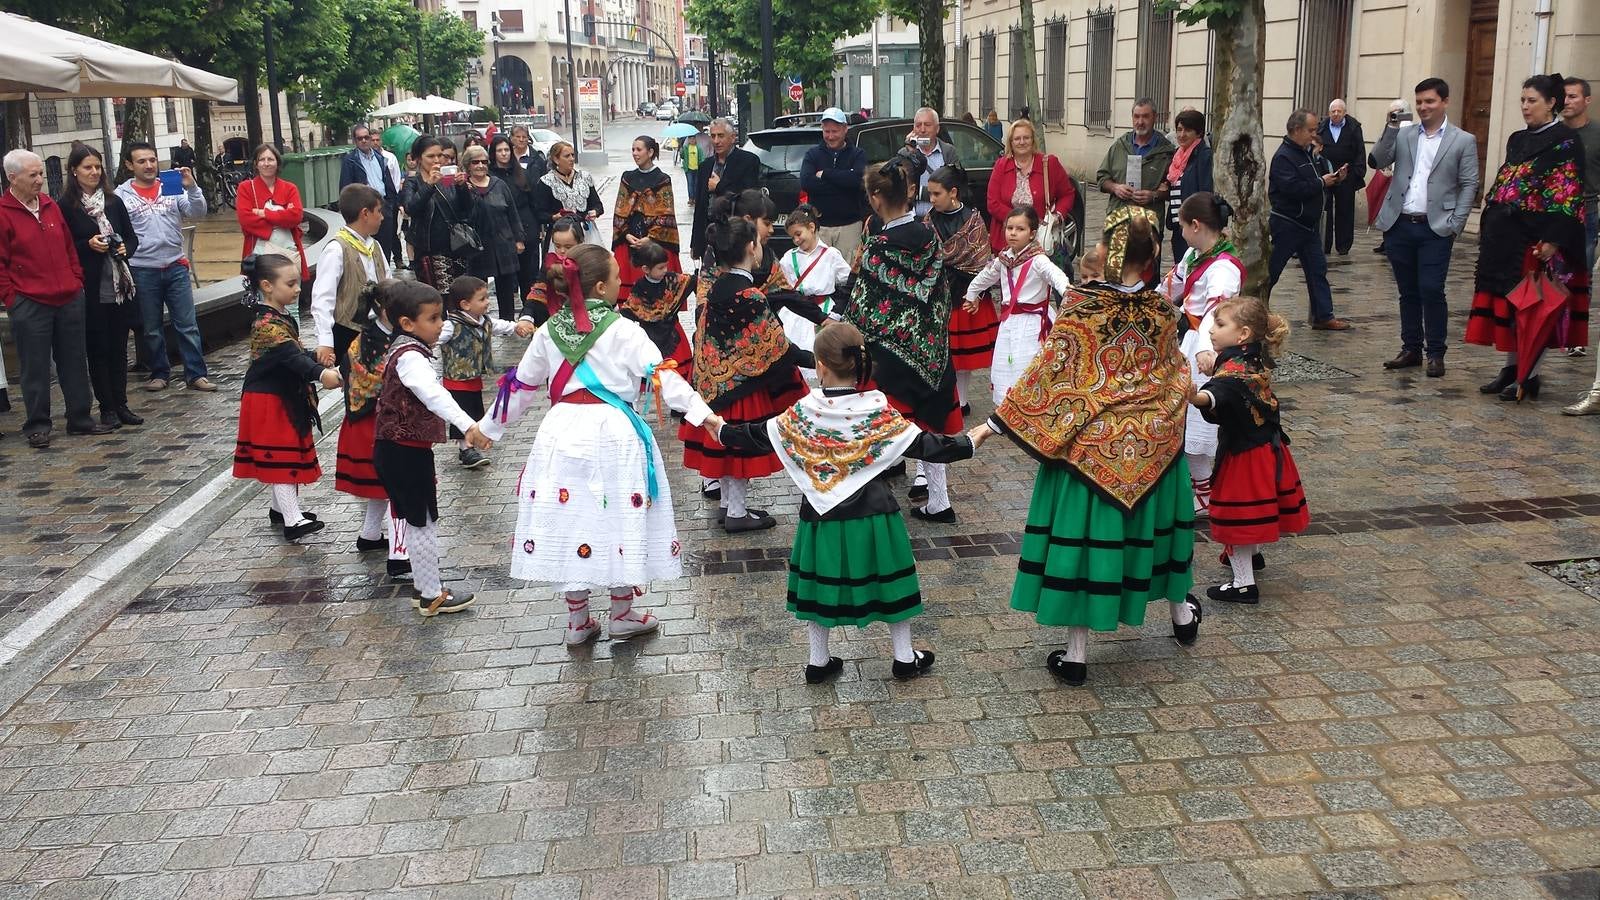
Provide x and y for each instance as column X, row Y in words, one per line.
column 1223, row 245
column 563, row 329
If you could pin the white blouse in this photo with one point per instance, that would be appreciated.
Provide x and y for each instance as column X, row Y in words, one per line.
column 1042, row 277
column 829, row 273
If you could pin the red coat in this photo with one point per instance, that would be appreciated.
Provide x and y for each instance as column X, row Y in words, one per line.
column 1003, row 182
column 37, row 256
column 253, row 195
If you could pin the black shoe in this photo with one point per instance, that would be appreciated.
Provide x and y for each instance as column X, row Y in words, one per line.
column 946, row 516
column 306, row 526
column 276, row 517
column 918, row 492
column 722, row 513
column 712, row 491
column 363, row 545
column 1506, row 378
column 1528, row 390
column 905, row 671
column 1073, row 673
column 94, row 428
column 1229, row 594
column 472, row 458
column 966, row 409
column 1435, row 367
column 1257, row 561
column 1408, row 359
column 400, row 569
column 1380, row 249
column 828, row 672
column 748, row 522
column 127, row 416
column 39, row 440
column 1186, row 634
column 110, row 419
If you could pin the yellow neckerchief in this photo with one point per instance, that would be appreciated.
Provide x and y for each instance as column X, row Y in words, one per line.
column 355, row 241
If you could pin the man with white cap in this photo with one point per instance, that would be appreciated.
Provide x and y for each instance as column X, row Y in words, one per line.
column 831, row 176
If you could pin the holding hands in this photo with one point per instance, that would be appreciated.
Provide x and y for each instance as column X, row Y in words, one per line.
column 477, row 440
column 330, row 379
column 526, row 328
column 979, row 434
column 713, row 425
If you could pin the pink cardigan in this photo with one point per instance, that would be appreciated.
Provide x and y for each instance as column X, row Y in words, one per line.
column 1003, row 183
column 253, row 195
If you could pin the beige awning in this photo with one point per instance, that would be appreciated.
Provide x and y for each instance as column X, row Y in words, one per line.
column 101, row 69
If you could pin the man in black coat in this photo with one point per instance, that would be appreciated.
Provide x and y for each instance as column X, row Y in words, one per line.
column 366, row 165
column 1295, row 187
column 1342, row 145
column 726, row 172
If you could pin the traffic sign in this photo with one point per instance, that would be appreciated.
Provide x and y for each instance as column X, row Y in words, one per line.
column 797, row 92
column 691, row 76
column 680, row 89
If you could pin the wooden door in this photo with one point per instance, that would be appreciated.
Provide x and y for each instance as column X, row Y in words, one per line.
column 1478, row 94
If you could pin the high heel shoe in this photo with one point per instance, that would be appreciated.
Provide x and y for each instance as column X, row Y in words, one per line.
column 1507, row 377
column 1530, row 390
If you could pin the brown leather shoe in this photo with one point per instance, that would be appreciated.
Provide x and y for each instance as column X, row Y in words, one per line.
column 1330, row 325
column 1435, row 367
column 1408, row 359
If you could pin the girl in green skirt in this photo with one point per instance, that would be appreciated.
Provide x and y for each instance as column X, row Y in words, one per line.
column 852, row 562
column 1103, row 406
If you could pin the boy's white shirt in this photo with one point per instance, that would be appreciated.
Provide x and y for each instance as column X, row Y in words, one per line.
column 325, row 287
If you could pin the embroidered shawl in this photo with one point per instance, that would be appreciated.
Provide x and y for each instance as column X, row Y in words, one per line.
column 1244, row 405
column 645, row 209
column 737, row 340
column 1108, row 393
column 656, row 301
column 1536, row 196
column 274, row 337
column 832, row 447
column 900, row 300
column 963, row 239
column 768, row 275
column 573, row 344
column 367, row 353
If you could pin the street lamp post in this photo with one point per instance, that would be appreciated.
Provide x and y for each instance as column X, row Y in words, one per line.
column 572, row 78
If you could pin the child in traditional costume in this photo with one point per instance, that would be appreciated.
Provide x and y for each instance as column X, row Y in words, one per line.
column 655, row 301
column 899, row 299
column 1257, row 497
column 965, row 242
column 1029, row 284
column 812, row 269
column 279, row 405
column 1208, row 274
column 595, row 511
column 852, row 562
column 1111, row 524
column 744, row 365
column 413, row 407
column 644, row 212
column 466, row 353
column 539, row 305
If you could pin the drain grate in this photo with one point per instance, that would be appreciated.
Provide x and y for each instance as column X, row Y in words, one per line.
column 1294, row 369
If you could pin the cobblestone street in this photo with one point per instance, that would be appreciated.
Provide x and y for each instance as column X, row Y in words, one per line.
column 1412, row 711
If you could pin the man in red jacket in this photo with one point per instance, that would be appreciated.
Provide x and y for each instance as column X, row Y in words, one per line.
column 41, row 285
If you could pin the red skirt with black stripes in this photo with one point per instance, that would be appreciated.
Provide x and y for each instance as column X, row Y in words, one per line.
column 269, row 449
column 972, row 336
column 354, row 473
column 703, row 454
column 1492, row 321
column 1256, row 497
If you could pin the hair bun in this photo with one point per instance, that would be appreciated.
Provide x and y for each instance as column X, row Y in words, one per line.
column 1224, row 208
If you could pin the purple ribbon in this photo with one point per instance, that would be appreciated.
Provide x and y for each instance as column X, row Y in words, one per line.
column 509, row 384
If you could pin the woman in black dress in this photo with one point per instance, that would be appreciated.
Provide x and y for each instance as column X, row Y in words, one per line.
column 500, row 230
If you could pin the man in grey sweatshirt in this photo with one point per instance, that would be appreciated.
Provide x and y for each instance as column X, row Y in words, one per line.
column 160, row 271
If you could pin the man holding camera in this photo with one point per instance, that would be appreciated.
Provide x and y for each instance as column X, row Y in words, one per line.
column 1426, row 206
column 937, row 154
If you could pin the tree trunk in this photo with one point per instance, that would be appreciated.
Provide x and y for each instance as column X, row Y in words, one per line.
column 931, row 33
column 137, row 122
column 250, row 96
column 204, row 165
column 1030, row 71
column 293, row 98
column 1242, row 158
column 19, row 128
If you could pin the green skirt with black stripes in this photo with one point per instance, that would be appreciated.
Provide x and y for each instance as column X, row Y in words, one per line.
column 1087, row 561
column 853, row 572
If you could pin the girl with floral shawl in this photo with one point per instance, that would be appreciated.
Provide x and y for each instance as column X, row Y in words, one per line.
column 644, row 212
column 1111, row 524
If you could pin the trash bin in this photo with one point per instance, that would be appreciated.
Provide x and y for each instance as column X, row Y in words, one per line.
column 316, row 174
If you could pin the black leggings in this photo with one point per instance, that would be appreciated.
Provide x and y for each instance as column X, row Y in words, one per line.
column 505, row 295
column 106, row 328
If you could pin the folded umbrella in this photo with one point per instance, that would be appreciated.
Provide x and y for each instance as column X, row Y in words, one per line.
column 1540, row 303
column 1376, row 188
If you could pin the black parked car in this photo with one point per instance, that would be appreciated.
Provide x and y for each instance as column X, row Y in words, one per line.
column 782, row 149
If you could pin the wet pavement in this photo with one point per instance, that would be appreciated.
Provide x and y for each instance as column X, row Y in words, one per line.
column 1413, row 710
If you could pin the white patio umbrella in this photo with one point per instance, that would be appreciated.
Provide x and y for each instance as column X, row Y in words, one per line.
column 431, row 105
column 103, row 69
column 26, row 71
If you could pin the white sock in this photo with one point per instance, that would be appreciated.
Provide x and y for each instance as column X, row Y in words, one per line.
column 961, row 386
column 372, row 521
column 1182, row 612
column 622, row 605
column 1078, row 643
column 1200, row 468
column 922, row 472
column 399, row 531
column 425, row 560
column 938, row 487
column 461, row 444
column 1511, row 359
column 577, row 609
column 286, row 500
column 900, row 637
column 734, row 491
column 1244, row 571
column 817, row 635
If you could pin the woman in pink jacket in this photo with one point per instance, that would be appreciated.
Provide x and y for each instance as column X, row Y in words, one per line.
column 1019, row 179
column 270, row 210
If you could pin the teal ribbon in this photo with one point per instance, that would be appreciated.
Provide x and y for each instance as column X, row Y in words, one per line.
column 590, row 380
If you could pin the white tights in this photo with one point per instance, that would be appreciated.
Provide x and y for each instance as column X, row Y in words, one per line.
column 1201, row 466
column 734, row 493
column 1244, row 570
column 938, row 486
column 286, row 500
column 424, row 547
column 899, row 637
column 1078, row 635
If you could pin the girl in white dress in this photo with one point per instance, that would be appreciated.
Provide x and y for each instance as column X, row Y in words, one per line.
column 814, row 270
column 594, row 508
column 1029, row 285
column 1207, row 275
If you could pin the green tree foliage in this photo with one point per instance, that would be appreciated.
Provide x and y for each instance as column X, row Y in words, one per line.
column 803, row 34
column 375, row 32
column 447, row 43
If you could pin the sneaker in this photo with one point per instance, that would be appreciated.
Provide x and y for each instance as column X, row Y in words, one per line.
column 1577, row 351
column 472, row 458
column 203, row 385
column 826, row 672
column 399, row 569
column 622, row 629
column 582, row 634
column 1186, row 634
column 921, row 662
column 155, row 384
column 1073, row 673
column 446, row 602
column 1227, row 593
